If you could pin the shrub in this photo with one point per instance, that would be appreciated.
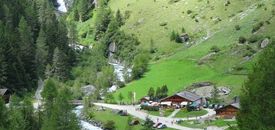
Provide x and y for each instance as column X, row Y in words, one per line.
column 215, row 49
column 237, row 27
column 257, row 27
column 242, row 39
column 254, row 38
column 189, row 11
column 173, row 36
column 109, row 125
column 173, row 1
column 163, row 24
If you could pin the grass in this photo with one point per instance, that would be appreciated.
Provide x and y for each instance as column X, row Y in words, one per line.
column 184, row 113
column 120, row 121
column 218, row 123
column 181, row 69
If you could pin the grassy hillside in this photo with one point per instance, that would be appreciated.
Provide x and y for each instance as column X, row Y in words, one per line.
column 182, row 69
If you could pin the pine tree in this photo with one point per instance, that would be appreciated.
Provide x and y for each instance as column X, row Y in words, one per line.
column 158, row 93
column 60, row 68
column 27, row 50
column 66, row 119
column 82, row 8
column 119, row 18
column 151, row 93
column 257, row 100
column 164, row 91
column 3, row 68
column 41, row 53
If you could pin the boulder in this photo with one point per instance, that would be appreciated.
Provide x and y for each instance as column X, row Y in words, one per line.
column 112, row 47
column 88, row 89
column 264, row 43
column 184, row 37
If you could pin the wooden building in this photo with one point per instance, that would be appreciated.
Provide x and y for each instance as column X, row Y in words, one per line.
column 182, row 99
column 145, row 99
column 228, row 111
column 5, row 94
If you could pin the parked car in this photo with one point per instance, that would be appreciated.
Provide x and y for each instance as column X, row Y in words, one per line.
column 156, row 125
column 162, row 126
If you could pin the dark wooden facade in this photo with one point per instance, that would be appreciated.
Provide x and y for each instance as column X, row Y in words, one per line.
column 5, row 94
column 227, row 111
column 175, row 99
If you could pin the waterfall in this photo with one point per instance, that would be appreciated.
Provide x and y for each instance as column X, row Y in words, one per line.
column 62, row 6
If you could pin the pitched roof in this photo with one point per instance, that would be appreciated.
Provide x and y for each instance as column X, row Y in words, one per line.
column 188, row 95
column 3, row 91
column 237, row 105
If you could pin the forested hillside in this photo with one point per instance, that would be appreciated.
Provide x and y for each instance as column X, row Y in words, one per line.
column 34, row 44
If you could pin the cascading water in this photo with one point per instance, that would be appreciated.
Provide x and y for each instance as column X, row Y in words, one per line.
column 62, row 6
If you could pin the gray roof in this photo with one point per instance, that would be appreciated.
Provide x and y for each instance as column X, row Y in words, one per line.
column 237, row 105
column 188, row 95
column 3, row 91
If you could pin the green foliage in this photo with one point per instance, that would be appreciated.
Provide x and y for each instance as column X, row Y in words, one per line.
column 119, row 18
column 109, row 125
column 256, row 113
column 120, row 97
column 103, row 18
column 140, row 65
column 41, row 53
column 215, row 49
column 151, row 93
column 60, row 67
column 242, row 39
column 257, row 27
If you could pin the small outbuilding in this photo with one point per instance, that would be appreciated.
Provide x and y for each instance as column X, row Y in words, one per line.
column 145, row 99
column 228, row 111
column 5, row 94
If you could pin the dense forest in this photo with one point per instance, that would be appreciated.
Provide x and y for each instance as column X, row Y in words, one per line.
column 34, row 44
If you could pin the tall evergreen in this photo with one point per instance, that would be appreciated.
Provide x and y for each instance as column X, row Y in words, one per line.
column 257, row 100
column 27, row 51
column 41, row 53
column 119, row 18
column 60, row 68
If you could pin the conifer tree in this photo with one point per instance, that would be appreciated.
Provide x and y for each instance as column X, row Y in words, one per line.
column 41, row 53
column 60, row 68
column 257, row 99
column 119, row 18
column 27, row 51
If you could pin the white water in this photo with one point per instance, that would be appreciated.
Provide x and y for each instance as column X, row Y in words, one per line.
column 85, row 125
column 118, row 70
column 62, row 6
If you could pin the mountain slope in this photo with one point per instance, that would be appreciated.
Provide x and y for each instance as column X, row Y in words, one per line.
column 181, row 69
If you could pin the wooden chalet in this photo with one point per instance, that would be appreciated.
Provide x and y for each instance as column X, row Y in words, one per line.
column 182, row 99
column 228, row 111
column 5, row 94
column 145, row 99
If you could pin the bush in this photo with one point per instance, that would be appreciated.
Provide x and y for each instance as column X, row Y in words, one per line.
column 237, row 27
column 242, row 39
column 189, row 11
column 109, row 125
column 215, row 49
column 149, row 108
column 254, row 38
column 163, row 24
column 257, row 27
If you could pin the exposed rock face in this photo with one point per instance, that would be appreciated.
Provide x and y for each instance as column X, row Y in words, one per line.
column 88, row 90
column 184, row 37
column 264, row 43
